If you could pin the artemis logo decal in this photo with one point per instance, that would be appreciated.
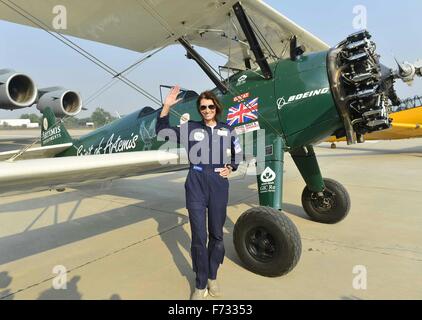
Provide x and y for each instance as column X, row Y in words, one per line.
column 52, row 134
column 147, row 133
column 281, row 102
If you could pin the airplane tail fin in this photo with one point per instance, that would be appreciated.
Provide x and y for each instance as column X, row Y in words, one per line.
column 52, row 130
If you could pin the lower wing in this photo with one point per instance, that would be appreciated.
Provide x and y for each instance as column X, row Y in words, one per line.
column 55, row 173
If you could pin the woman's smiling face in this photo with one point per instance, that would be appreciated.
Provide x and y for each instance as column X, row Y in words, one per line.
column 209, row 113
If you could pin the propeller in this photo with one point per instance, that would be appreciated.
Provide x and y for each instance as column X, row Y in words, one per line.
column 407, row 71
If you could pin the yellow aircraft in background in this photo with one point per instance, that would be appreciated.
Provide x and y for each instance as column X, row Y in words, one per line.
column 407, row 123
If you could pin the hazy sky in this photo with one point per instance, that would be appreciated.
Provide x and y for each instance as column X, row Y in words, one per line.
column 394, row 25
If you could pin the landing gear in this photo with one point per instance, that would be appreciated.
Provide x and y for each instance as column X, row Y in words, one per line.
column 333, row 146
column 330, row 206
column 267, row 242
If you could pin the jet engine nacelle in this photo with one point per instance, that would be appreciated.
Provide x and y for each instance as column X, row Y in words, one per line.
column 17, row 90
column 61, row 101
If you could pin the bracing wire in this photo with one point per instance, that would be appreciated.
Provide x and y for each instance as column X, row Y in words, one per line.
column 113, row 81
column 172, row 33
column 22, row 12
column 235, row 92
column 264, row 40
column 116, row 76
column 110, row 70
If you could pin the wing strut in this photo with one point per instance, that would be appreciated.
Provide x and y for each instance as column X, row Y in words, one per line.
column 253, row 41
column 193, row 54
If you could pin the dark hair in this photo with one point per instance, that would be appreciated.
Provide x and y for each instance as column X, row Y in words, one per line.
column 208, row 95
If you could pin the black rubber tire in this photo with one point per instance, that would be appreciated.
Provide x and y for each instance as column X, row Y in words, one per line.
column 339, row 209
column 284, row 237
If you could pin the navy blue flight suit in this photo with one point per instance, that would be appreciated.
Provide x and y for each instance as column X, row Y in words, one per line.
column 205, row 188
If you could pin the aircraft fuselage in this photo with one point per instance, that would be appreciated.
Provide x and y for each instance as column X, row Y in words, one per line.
column 308, row 114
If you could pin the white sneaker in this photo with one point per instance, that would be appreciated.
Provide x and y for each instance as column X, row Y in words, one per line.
column 214, row 288
column 199, row 294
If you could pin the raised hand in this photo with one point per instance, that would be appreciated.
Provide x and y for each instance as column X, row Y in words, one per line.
column 171, row 98
column 170, row 101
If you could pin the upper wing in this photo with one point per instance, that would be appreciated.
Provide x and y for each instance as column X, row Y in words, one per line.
column 45, row 174
column 275, row 28
column 144, row 25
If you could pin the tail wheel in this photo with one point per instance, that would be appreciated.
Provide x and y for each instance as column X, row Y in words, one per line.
column 330, row 206
column 267, row 242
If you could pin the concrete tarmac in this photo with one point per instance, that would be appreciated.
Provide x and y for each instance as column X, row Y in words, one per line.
column 130, row 239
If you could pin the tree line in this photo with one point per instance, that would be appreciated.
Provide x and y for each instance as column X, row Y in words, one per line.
column 99, row 117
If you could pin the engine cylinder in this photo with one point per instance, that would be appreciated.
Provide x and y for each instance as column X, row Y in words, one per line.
column 361, row 92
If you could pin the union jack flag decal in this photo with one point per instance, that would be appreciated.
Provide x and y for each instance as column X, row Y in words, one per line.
column 243, row 113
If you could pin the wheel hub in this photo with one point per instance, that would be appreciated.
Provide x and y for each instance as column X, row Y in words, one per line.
column 260, row 244
column 324, row 201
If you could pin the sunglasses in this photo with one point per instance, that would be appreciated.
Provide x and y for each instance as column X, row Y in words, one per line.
column 211, row 107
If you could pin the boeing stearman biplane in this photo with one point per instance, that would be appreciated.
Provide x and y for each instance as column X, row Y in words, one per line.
column 286, row 83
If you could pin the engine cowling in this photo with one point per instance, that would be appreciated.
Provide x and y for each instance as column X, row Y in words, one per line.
column 61, row 101
column 17, row 90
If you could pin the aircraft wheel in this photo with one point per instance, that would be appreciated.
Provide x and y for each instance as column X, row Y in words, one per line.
column 267, row 242
column 330, row 207
column 333, row 146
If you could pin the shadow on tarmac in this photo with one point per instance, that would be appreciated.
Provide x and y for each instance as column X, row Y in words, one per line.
column 5, row 281
column 70, row 292
column 178, row 241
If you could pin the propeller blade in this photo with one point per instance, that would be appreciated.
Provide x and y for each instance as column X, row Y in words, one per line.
column 401, row 69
